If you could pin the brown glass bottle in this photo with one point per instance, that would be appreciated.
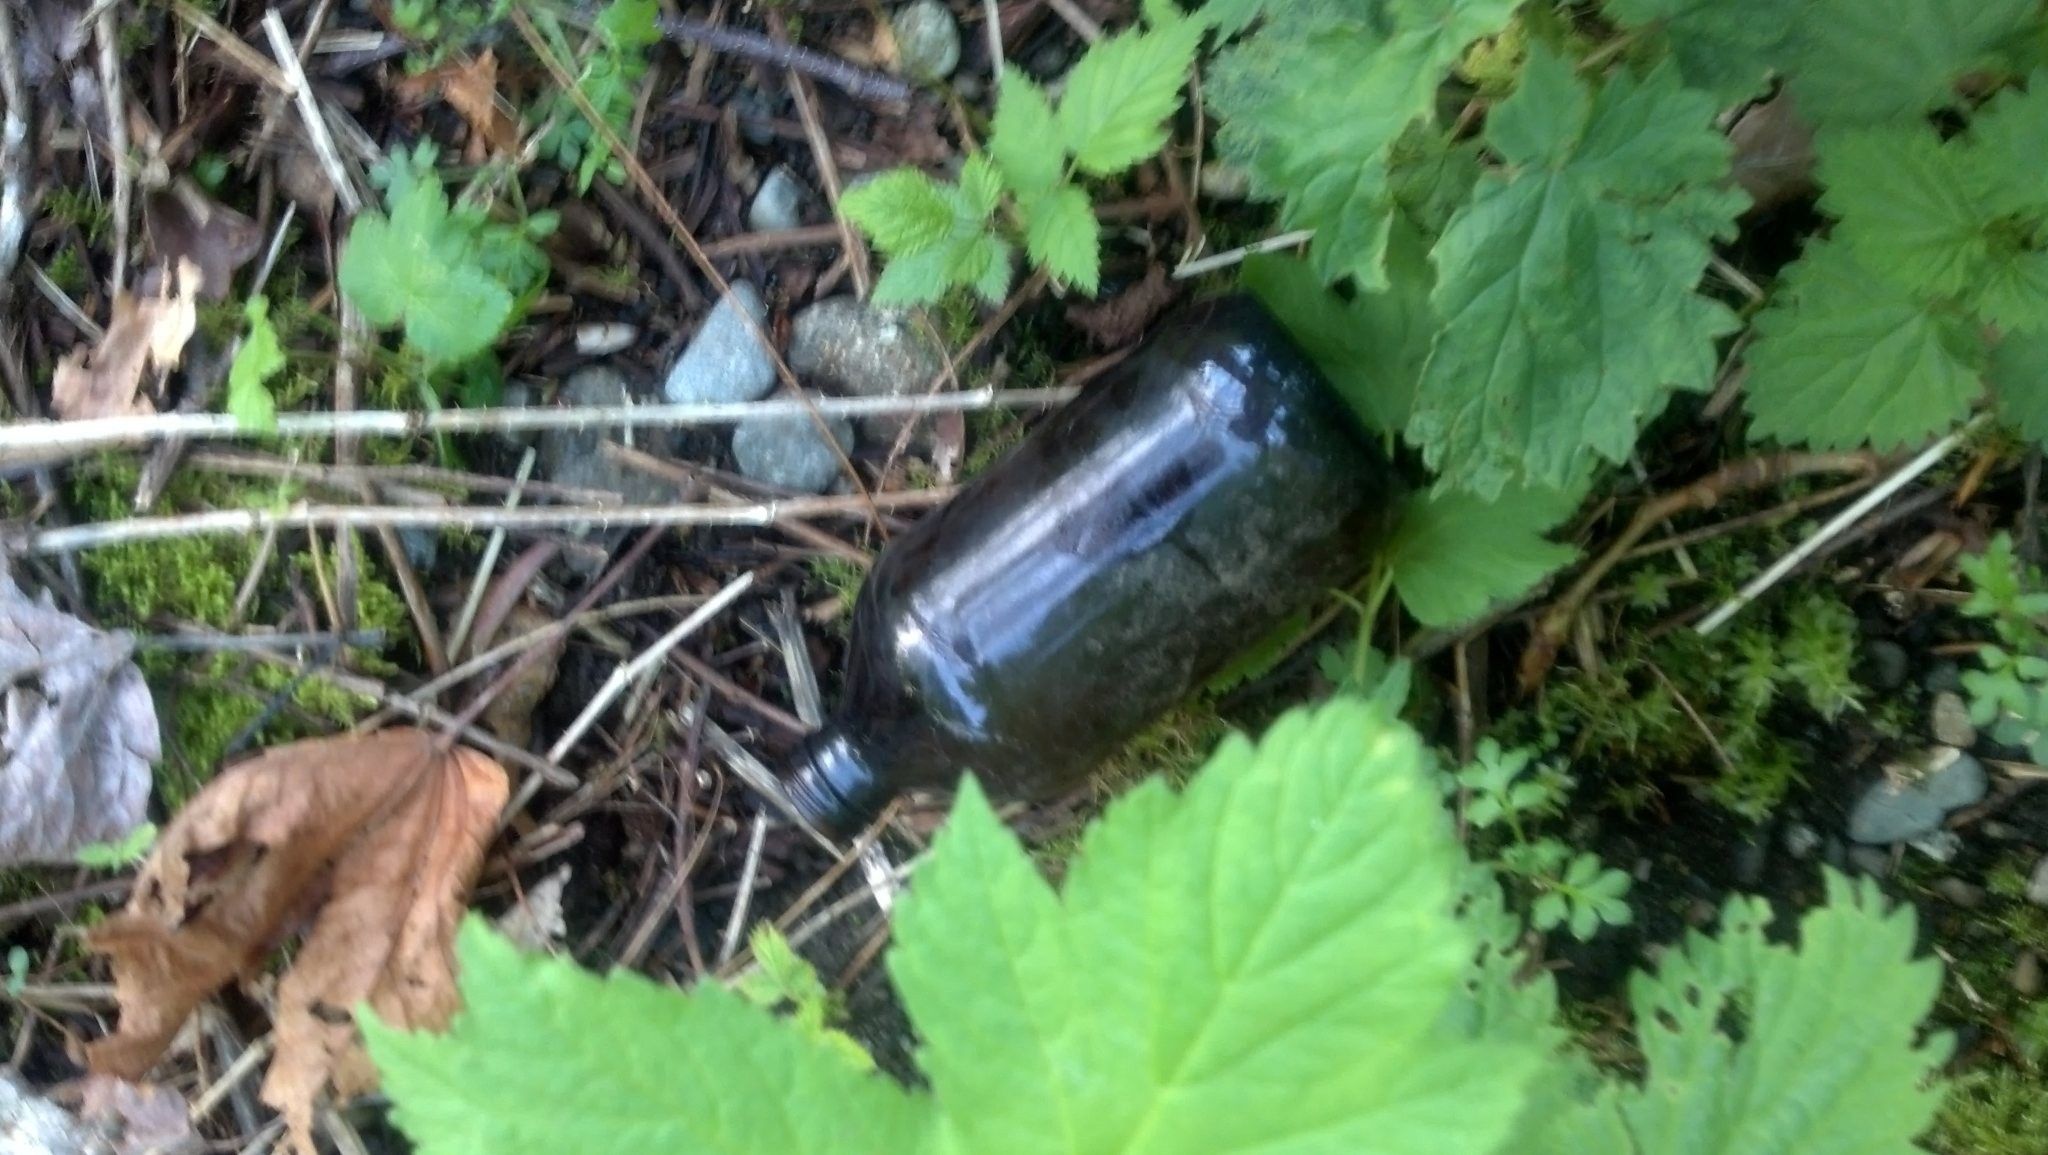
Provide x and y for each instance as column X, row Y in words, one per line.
column 1131, row 546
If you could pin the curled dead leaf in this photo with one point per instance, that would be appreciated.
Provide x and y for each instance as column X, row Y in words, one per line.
column 144, row 339
column 1122, row 319
column 471, row 88
column 186, row 224
column 376, row 837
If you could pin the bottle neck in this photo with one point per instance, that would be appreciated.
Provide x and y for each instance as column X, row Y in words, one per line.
column 831, row 784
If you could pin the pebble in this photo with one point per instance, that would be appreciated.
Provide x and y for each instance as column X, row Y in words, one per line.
column 575, row 457
column 779, row 204
column 927, row 40
column 422, row 545
column 1954, row 890
column 603, row 338
column 1886, row 663
column 789, row 452
column 1227, row 182
column 1951, row 721
column 2037, row 885
column 1943, row 676
column 1939, row 845
column 1912, row 797
column 725, row 362
column 855, row 348
column 1801, row 840
column 2026, row 974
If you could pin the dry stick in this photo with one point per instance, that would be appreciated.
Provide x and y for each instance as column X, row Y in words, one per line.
column 775, row 240
column 1234, row 256
column 489, row 563
column 244, row 1064
column 548, row 633
column 309, row 112
column 115, row 103
column 726, row 688
column 650, row 192
column 15, row 154
column 233, row 47
column 1751, row 473
column 748, row 871
column 1862, row 505
column 992, row 23
column 1772, row 516
column 828, row 169
column 97, row 433
column 854, row 81
column 351, row 477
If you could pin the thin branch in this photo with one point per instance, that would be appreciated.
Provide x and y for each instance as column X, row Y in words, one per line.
column 115, row 101
column 309, row 111
column 1237, row 255
column 37, row 440
column 14, row 154
column 856, row 82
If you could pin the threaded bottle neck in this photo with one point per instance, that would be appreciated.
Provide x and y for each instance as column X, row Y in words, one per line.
column 831, row 785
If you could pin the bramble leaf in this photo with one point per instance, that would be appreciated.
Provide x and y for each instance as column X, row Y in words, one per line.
column 257, row 361
column 1726, row 47
column 1843, row 358
column 1454, row 554
column 1113, row 111
column 420, row 266
column 1314, row 103
column 903, row 211
column 1566, row 287
column 648, row 1068
column 1024, row 140
column 1161, row 1005
column 1060, row 235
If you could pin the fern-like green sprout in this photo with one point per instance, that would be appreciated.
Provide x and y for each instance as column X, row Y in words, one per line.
column 2009, row 693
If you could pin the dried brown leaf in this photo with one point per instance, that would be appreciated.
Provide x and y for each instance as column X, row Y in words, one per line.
column 1124, row 318
column 470, row 87
column 510, row 714
column 186, row 224
column 379, row 835
column 1773, row 153
column 78, row 732
column 145, row 337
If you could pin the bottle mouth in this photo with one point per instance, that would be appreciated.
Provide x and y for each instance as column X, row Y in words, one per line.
column 830, row 785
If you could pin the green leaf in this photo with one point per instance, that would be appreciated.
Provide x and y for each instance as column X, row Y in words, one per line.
column 781, row 977
column 1166, row 1006
column 1842, row 358
column 1060, row 234
column 2018, row 373
column 903, row 211
column 1454, row 554
column 1118, row 95
column 259, row 358
column 637, row 1067
column 1906, row 211
column 1315, row 101
column 1372, row 346
column 1726, row 47
column 1566, row 288
column 1024, row 140
column 1827, row 1059
column 2005, row 142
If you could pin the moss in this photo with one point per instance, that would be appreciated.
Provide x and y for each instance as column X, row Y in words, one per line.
column 2003, row 1111
column 838, row 576
column 81, row 207
column 209, row 704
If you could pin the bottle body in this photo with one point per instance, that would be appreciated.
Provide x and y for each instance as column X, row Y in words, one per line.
column 1137, row 541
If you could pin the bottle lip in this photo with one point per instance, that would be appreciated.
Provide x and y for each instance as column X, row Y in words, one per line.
column 831, row 786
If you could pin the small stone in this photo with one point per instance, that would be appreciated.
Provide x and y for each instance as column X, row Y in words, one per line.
column 1939, row 845
column 576, row 457
column 2026, row 974
column 779, row 203
column 1801, row 840
column 1954, row 890
column 855, row 348
column 1225, row 182
column 1914, row 796
column 725, row 362
column 789, row 452
column 1886, row 664
column 2037, row 884
column 1943, row 676
column 1951, row 721
column 422, row 545
column 603, row 338
column 927, row 40
column 1870, row 860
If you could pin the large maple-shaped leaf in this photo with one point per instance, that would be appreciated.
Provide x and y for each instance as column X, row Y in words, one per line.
column 1567, row 287
column 1844, row 357
column 1257, row 963
column 1314, row 102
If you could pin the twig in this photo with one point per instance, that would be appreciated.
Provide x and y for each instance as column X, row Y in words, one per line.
column 1862, row 505
column 91, row 434
column 992, row 23
column 1224, row 260
column 14, row 154
column 244, row 1064
column 643, row 662
column 803, row 680
column 1083, row 25
column 748, row 870
column 775, row 241
column 1750, row 473
column 856, row 82
column 489, row 563
column 828, row 171
column 62, row 302
column 233, row 47
column 115, row 102
column 309, row 111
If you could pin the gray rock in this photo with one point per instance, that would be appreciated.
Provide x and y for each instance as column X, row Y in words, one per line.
column 32, row 1125
column 1943, row 676
column 779, row 204
column 2037, row 884
column 789, row 451
column 725, row 362
column 1912, row 797
column 1951, row 723
column 1886, row 664
column 927, row 40
column 422, row 545
column 1801, row 840
column 853, row 348
column 576, row 456
column 1939, row 845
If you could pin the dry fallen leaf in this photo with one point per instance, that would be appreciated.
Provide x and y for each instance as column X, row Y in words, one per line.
column 376, row 837
column 186, row 224
column 77, row 729
column 146, row 336
column 471, row 88
column 1122, row 319
column 1773, row 153
column 510, row 714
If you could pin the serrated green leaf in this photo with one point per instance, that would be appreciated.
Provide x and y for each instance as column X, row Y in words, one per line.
column 420, row 266
column 1024, row 140
column 903, row 211
column 1853, row 62
column 981, row 188
column 1726, row 47
column 2006, row 140
column 2018, row 373
column 1113, row 111
column 1164, row 1006
column 915, row 279
column 1566, row 288
column 986, row 264
column 1454, row 554
column 1230, row 17
column 1314, row 102
column 1061, row 235
column 256, row 362
column 637, row 1068
column 1828, row 1059
column 1842, row 358
column 1904, row 206
column 1371, row 347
